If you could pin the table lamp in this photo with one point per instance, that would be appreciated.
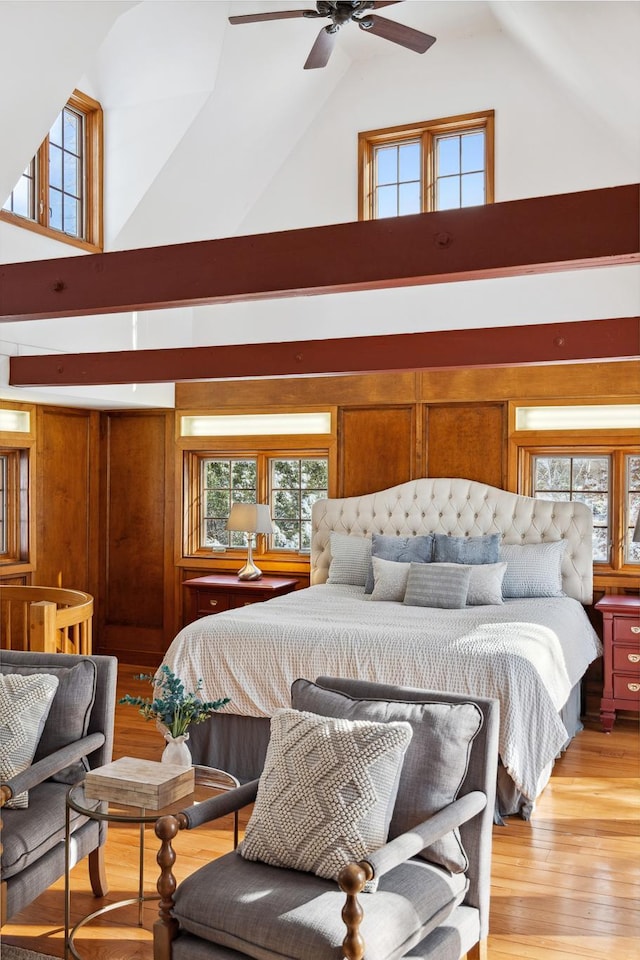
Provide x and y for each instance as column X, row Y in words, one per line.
column 250, row 518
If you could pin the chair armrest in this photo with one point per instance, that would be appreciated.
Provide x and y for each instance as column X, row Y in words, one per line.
column 50, row 765
column 218, row 806
column 410, row 844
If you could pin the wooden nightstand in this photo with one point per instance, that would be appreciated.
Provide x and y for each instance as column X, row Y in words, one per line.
column 621, row 657
column 223, row 591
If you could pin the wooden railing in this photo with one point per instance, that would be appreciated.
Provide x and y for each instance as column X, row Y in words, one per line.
column 48, row 619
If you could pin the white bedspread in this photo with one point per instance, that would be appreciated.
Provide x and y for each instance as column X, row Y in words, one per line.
column 526, row 653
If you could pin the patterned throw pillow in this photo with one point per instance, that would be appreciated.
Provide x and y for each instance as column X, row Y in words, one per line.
column 24, row 706
column 400, row 550
column 443, row 585
column 327, row 791
column 389, row 579
column 350, row 559
column 533, row 569
column 467, row 549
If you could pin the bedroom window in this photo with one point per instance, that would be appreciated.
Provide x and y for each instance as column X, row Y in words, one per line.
column 632, row 511
column 290, row 483
column 14, row 465
column 578, row 478
column 436, row 165
column 60, row 191
column 295, row 485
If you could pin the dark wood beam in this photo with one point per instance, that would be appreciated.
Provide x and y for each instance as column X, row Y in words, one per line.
column 562, row 232
column 541, row 343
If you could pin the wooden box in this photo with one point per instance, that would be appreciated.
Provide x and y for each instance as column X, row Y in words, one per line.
column 139, row 783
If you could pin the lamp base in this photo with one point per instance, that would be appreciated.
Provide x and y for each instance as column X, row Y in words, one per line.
column 249, row 572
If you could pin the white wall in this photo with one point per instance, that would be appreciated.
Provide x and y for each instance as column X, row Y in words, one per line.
column 213, row 130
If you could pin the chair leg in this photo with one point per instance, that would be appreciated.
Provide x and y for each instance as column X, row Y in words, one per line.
column 98, row 873
column 478, row 951
column 165, row 929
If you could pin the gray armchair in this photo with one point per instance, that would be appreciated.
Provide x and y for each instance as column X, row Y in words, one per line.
column 432, row 876
column 77, row 734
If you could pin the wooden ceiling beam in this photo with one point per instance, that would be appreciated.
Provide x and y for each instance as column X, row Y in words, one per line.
column 562, row 232
column 496, row 346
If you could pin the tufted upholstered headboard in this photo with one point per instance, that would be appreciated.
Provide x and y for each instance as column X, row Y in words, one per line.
column 459, row 508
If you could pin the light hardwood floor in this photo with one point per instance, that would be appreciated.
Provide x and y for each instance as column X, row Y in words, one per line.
column 565, row 886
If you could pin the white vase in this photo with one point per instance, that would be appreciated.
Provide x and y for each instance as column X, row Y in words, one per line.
column 176, row 751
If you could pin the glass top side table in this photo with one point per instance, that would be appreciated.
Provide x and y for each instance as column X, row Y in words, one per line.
column 208, row 782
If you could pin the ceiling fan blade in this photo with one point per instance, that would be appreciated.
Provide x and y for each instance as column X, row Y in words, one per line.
column 399, row 33
column 280, row 15
column 321, row 50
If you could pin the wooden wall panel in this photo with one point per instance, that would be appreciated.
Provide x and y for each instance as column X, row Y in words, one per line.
column 467, row 440
column 136, row 621
column 67, row 486
column 376, row 448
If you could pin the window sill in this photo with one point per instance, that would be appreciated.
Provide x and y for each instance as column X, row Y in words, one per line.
column 35, row 227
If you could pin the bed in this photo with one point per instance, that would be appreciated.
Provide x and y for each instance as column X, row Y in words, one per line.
column 530, row 652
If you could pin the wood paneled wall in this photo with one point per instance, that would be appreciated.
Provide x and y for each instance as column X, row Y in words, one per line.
column 136, row 613
column 66, row 499
column 106, row 483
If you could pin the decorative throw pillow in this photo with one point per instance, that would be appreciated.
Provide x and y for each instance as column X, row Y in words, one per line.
column 443, row 585
column 533, row 569
column 485, row 584
column 70, row 712
column 326, row 793
column 467, row 549
column 390, row 579
column 437, row 758
column 350, row 559
column 399, row 549
column 24, row 706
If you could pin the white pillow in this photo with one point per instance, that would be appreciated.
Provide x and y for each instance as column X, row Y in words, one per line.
column 327, row 791
column 533, row 569
column 485, row 585
column 350, row 559
column 389, row 579
column 25, row 702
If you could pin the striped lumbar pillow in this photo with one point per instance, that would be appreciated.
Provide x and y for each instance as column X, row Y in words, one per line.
column 438, row 585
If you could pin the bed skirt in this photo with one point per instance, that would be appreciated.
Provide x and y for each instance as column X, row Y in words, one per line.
column 239, row 745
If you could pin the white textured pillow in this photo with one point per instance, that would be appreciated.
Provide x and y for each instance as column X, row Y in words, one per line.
column 350, row 559
column 389, row 579
column 485, row 584
column 327, row 791
column 533, row 569
column 24, row 706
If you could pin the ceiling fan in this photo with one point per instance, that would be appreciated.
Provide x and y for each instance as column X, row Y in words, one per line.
column 340, row 13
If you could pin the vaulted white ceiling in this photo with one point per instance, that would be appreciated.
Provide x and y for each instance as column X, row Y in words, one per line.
column 215, row 130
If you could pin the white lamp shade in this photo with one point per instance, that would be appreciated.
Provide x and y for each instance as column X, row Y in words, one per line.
column 250, row 518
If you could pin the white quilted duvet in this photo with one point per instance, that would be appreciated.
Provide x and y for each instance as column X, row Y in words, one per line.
column 528, row 654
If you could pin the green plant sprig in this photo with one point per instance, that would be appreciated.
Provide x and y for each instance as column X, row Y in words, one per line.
column 173, row 708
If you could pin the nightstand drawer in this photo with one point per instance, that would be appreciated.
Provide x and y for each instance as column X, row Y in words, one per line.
column 626, row 628
column 244, row 601
column 626, row 658
column 210, row 602
column 626, row 688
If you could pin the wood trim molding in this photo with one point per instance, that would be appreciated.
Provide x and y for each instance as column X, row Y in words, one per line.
column 539, row 235
column 490, row 347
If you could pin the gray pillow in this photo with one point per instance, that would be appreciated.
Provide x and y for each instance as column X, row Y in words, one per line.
column 533, row 569
column 25, row 703
column 390, row 579
column 399, row 549
column 435, row 764
column 327, row 791
column 467, row 549
column 443, row 585
column 68, row 719
column 350, row 559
